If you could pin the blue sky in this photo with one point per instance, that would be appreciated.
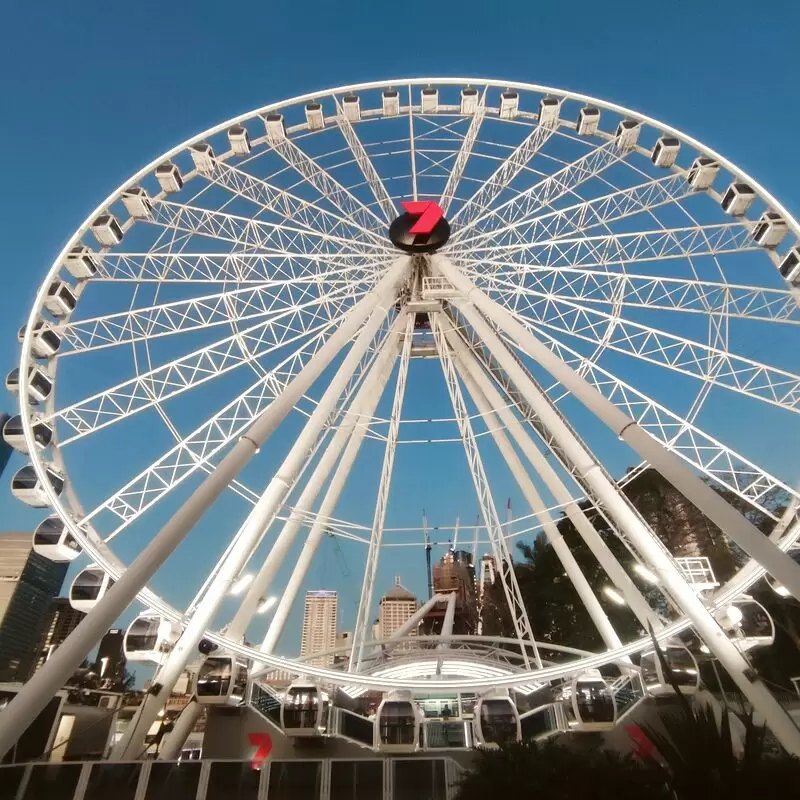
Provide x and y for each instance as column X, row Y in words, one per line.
column 92, row 91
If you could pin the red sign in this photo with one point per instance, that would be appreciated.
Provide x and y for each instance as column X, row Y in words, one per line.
column 263, row 744
column 428, row 214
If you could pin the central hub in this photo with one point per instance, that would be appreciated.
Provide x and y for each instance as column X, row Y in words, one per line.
column 422, row 229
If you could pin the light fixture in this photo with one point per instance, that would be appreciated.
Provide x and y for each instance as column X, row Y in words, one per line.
column 781, row 590
column 643, row 572
column 267, row 604
column 612, row 594
column 240, row 585
column 733, row 615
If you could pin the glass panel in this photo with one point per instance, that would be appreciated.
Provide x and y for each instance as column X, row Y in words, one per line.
column 112, row 780
column 445, row 734
column 356, row 727
column 10, row 778
column 53, row 781
column 232, row 780
column 173, row 781
column 419, row 778
column 356, row 780
column 294, row 780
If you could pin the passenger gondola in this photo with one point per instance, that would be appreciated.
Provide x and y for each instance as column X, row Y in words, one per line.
column 40, row 384
column 681, row 664
column 53, row 540
column 304, row 711
column 89, row 587
column 149, row 638
column 397, row 723
column 26, row 486
column 221, row 680
column 496, row 721
column 14, row 435
column 590, row 703
column 747, row 623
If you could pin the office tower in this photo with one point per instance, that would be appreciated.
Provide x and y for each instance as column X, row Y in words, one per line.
column 62, row 619
column 396, row 607
column 28, row 584
column 110, row 663
column 319, row 624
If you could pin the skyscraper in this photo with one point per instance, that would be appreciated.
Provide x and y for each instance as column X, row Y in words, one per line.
column 319, row 624
column 62, row 619
column 28, row 584
column 396, row 607
column 111, row 663
column 454, row 573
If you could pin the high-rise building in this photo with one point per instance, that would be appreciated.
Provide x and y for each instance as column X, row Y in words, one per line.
column 28, row 584
column 61, row 621
column 396, row 607
column 454, row 572
column 111, row 663
column 319, row 624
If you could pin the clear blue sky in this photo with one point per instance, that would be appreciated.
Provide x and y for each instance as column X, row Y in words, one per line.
column 91, row 91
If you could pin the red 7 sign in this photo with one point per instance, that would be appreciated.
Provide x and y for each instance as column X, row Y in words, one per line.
column 428, row 212
column 263, row 744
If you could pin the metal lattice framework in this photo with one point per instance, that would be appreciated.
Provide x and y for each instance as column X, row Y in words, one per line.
column 243, row 287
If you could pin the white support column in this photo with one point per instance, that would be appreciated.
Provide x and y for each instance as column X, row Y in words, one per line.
column 324, row 512
column 502, row 555
column 600, row 550
column 377, row 377
column 642, row 537
column 255, row 526
column 38, row 691
column 173, row 742
column 416, row 617
column 447, row 623
column 571, row 567
column 376, row 537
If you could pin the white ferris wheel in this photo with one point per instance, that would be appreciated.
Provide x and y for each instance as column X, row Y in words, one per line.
column 235, row 322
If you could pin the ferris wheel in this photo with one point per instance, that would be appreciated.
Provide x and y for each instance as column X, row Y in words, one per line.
column 256, row 309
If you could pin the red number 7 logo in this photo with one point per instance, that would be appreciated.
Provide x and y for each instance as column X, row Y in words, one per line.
column 428, row 212
column 263, row 744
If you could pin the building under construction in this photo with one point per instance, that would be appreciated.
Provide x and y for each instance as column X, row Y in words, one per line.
column 454, row 573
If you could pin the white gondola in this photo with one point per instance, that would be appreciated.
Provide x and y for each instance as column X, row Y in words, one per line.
column 590, row 704
column 390, row 100
column 397, row 723
column 169, row 177
column 13, row 433
column 40, row 384
column 588, row 121
column 790, row 266
column 351, row 107
column 777, row 586
column 275, row 127
column 737, row 199
column 496, row 720
column 628, row 134
column 149, row 638
column 203, row 156
column 88, row 587
column 549, row 110
column 221, row 681
column 137, row 202
column 702, row 172
column 44, row 342
column 239, row 139
column 682, row 666
column 770, row 229
column 81, row 262
column 107, row 230
column 60, row 300
column 53, row 540
column 747, row 623
column 26, row 486
column 314, row 116
column 469, row 100
column 665, row 151
column 430, row 100
column 509, row 105
column 304, row 711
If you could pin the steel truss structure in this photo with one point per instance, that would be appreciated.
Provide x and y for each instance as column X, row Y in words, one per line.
column 242, row 289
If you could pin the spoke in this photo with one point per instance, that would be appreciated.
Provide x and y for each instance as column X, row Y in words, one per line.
column 240, row 267
column 478, row 206
column 300, row 212
column 250, row 233
column 589, row 214
column 464, row 152
column 208, row 311
column 412, row 146
column 745, row 376
column 719, row 462
column 620, row 248
column 545, row 191
column 197, row 450
column 365, row 164
column 494, row 528
column 647, row 291
column 243, row 347
column 328, row 186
